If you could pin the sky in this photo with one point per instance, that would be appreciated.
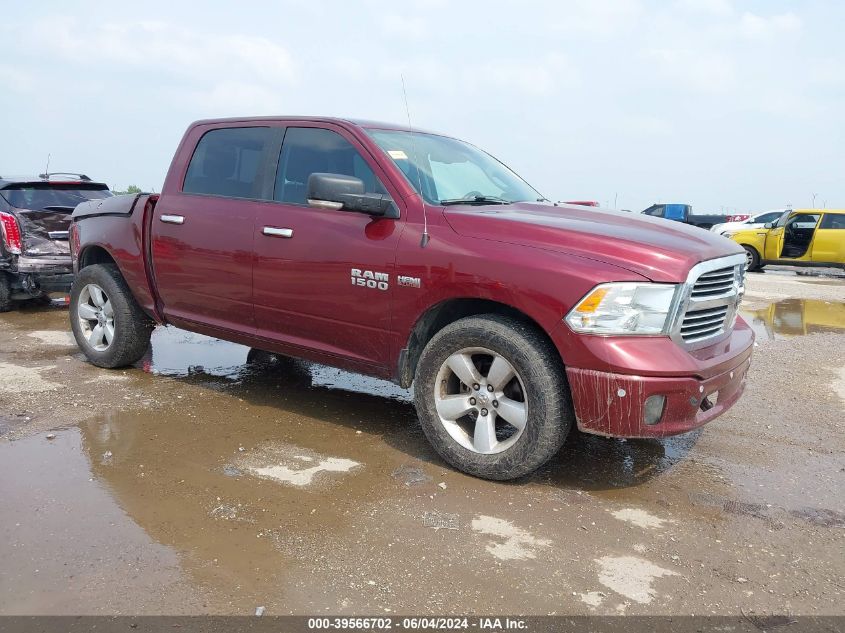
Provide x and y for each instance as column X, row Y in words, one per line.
column 727, row 105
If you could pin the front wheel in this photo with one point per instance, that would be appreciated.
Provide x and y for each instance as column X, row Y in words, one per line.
column 492, row 397
column 107, row 322
column 752, row 258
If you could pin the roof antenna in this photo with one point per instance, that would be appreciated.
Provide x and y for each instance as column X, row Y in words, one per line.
column 47, row 169
column 425, row 236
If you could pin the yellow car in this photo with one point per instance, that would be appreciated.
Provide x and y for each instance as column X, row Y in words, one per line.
column 800, row 237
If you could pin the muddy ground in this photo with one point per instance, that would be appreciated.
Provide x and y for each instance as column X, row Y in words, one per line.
column 207, row 481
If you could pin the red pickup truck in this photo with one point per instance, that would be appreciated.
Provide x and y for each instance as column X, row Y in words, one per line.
column 419, row 258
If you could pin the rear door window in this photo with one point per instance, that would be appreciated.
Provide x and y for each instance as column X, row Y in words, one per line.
column 309, row 150
column 229, row 162
column 833, row 221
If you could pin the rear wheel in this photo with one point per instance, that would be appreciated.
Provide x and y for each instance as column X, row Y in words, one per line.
column 752, row 258
column 492, row 398
column 109, row 325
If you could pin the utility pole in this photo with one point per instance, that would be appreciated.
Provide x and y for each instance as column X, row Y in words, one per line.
column 814, row 200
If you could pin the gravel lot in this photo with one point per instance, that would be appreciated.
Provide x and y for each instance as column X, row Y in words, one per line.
column 204, row 481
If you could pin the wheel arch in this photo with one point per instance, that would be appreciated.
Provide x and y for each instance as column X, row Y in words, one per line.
column 756, row 250
column 95, row 254
column 133, row 274
column 441, row 314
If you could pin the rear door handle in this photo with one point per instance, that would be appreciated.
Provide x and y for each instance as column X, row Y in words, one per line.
column 273, row 231
column 172, row 219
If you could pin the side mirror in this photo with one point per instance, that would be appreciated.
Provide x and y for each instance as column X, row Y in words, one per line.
column 339, row 192
column 769, row 225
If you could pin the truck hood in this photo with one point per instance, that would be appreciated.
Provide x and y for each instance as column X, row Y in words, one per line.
column 658, row 249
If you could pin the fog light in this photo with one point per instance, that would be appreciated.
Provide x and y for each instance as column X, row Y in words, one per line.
column 653, row 409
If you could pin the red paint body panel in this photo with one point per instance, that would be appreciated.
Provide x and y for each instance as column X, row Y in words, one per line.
column 612, row 404
column 218, row 274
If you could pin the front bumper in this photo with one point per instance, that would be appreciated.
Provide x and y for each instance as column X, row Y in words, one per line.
column 613, row 404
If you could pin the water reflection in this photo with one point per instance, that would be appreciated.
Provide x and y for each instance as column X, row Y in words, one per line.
column 796, row 317
column 178, row 353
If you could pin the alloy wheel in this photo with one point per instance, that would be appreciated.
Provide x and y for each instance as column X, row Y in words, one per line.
column 96, row 317
column 480, row 400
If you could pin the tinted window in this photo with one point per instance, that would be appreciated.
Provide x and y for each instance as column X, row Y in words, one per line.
column 39, row 196
column 833, row 221
column 656, row 211
column 227, row 163
column 308, row 150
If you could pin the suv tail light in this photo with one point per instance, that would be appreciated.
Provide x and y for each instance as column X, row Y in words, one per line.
column 11, row 233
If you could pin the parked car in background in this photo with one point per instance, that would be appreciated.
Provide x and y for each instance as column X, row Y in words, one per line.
column 753, row 221
column 683, row 213
column 801, row 237
column 34, row 219
column 419, row 258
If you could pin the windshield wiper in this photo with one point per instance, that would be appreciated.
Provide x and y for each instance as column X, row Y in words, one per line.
column 476, row 200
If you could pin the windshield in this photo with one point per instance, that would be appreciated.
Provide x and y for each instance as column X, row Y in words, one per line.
column 451, row 171
column 44, row 196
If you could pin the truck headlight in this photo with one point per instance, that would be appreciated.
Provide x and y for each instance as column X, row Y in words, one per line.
column 624, row 308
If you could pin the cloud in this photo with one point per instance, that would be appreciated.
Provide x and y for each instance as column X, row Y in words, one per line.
column 713, row 7
column 597, row 17
column 530, row 76
column 15, row 80
column 162, row 48
column 705, row 72
column 394, row 25
column 758, row 27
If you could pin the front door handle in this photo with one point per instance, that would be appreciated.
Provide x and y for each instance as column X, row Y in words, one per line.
column 273, row 231
column 172, row 219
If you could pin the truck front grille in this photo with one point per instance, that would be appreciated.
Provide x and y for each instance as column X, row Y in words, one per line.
column 701, row 324
column 715, row 283
column 710, row 300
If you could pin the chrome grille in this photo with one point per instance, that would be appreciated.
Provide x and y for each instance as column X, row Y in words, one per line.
column 701, row 324
column 709, row 301
column 715, row 283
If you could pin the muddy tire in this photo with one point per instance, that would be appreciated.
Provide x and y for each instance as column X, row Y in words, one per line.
column 492, row 397
column 109, row 325
column 6, row 302
column 752, row 258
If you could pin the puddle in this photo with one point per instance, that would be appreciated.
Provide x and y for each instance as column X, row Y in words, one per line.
column 57, row 506
column 293, row 465
column 614, row 466
column 179, row 353
column 794, row 317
